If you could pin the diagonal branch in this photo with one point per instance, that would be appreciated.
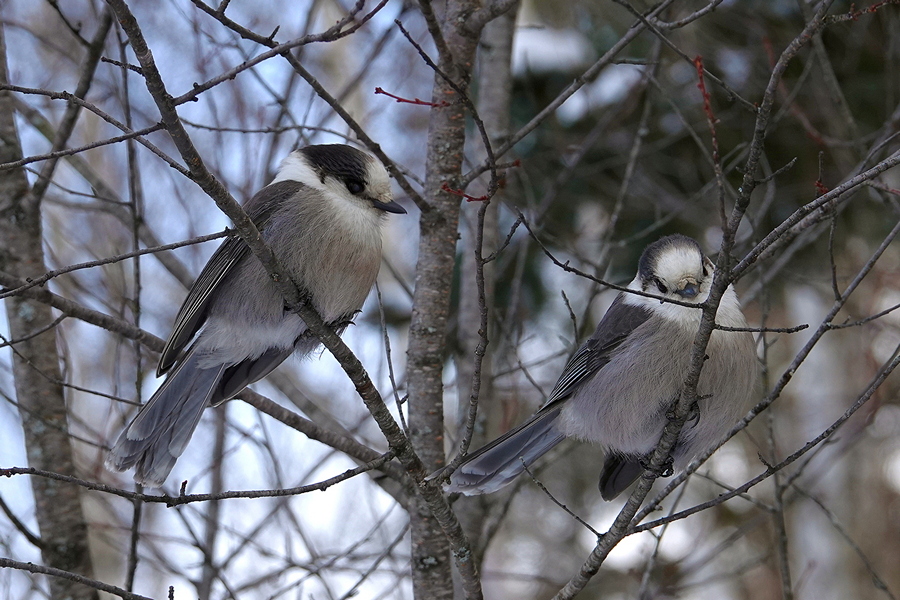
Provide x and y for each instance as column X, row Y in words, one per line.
column 295, row 299
column 721, row 279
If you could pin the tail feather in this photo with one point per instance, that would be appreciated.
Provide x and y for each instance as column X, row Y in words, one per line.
column 237, row 377
column 164, row 426
column 618, row 473
column 495, row 465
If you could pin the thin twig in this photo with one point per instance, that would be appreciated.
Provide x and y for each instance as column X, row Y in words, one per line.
column 40, row 281
column 171, row 501
column 52, row 572
column 553, row 499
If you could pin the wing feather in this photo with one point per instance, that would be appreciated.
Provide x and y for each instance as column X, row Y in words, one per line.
column 192, row 313
column 614, row 328
column 491, row 467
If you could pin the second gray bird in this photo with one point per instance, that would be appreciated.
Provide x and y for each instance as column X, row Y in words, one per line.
column 322, row 217
column 617, row 389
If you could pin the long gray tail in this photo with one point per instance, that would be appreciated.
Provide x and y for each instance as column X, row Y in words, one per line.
column 496, row 464
column 164, row 426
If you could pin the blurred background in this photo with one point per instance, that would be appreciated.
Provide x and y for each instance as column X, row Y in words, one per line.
column 626, row 159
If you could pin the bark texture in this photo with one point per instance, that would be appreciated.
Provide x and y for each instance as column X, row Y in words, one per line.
column 434, row 276
column 39, row 393
column 494, row 90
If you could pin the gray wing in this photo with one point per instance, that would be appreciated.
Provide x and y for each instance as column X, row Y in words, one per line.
column 614, row 328
column 499, row 462
column 192, row 313
column 237, row 377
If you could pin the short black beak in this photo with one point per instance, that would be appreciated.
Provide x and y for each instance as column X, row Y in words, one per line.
column 391, row 207
column 689, row 291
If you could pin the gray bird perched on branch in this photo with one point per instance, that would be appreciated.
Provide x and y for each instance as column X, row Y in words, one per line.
column 322, row 217
column 618, row 389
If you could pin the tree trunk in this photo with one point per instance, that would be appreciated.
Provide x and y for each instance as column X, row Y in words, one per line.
column 431, row 300
column 39, row 392
column 494, row 90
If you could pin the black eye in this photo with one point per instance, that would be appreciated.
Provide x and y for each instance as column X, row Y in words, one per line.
column 661, row 287
column 354, row 186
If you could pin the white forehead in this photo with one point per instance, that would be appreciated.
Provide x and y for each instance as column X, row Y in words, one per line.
column 294, row 167
column 377, row 175
column 676, row 261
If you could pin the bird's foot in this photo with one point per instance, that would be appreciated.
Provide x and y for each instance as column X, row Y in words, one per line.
column 693, row 416
column 666, row 470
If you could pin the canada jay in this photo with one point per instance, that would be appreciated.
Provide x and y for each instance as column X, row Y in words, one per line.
column 321, row 216
column 619, row 386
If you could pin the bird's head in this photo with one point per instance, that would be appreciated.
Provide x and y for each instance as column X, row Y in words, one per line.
column 675, row 267
column 342, row 171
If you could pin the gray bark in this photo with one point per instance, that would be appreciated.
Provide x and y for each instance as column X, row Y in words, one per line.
column 434, row 275
column 494, row 91
column 39, row 392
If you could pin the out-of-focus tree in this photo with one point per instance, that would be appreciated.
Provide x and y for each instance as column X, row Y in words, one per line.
column 538, row 147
